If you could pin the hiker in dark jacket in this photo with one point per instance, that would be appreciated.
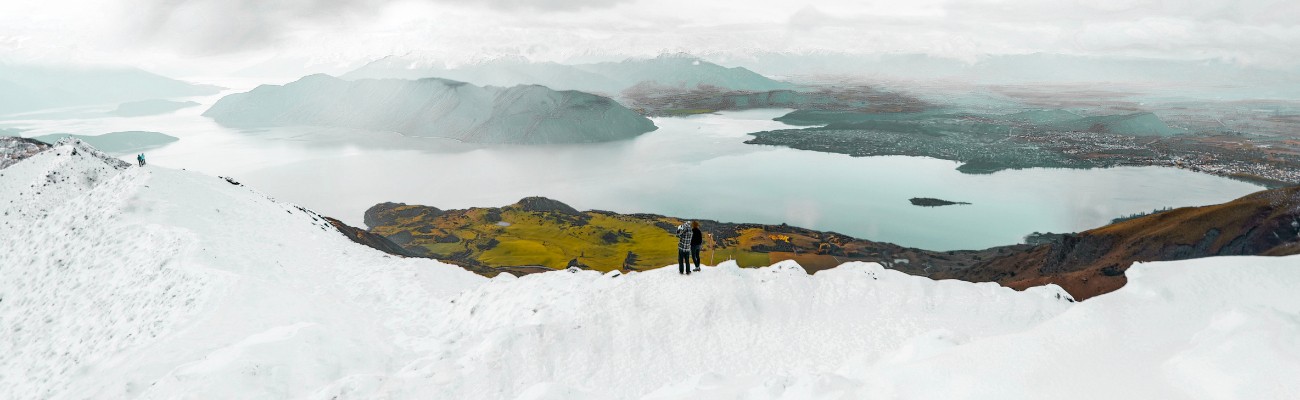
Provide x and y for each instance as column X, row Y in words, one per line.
column 685, row 236
column 697, row 241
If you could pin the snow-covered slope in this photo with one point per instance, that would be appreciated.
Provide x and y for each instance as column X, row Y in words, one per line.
column 126, row 282
column 119, row 281
column 1211, row 328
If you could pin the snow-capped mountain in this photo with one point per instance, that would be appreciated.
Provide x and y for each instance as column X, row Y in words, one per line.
column 118, row 281
column 435, row 108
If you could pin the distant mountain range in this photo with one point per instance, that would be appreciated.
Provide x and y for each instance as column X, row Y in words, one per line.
column 742, row 71
column 30, row 88
column 656, row 100
column 1016, row 69
column 433, row 107
column 607, row 78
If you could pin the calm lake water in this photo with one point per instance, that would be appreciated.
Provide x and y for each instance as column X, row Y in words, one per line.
column 694, row 167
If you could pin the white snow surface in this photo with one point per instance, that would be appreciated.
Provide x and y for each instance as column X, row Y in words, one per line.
column 125, row 282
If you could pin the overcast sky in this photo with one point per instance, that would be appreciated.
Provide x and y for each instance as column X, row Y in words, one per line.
column 219, row 36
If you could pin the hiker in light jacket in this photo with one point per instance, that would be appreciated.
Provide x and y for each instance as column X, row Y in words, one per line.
column 684, row 237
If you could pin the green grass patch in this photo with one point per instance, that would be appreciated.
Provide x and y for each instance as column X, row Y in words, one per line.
column 600, row 241
column 516, row 252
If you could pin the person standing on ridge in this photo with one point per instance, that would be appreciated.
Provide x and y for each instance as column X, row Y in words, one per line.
column 140, row 158
column 697, row 241
column 684, row 239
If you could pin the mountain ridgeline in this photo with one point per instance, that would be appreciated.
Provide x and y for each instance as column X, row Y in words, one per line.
column 608, row 78
column 668, row 85
column 29, row 88
column 435, row 108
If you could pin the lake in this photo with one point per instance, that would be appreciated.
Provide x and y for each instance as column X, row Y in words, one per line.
column 693, row 167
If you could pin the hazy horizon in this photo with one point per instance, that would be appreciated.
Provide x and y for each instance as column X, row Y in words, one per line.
column 216, row 38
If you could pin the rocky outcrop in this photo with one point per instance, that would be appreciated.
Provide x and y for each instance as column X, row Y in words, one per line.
column 388, row 213
column 370, row 240
column 542, row 204
column 15, row 149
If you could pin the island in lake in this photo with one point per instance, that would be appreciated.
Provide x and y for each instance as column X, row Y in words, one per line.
column 433, row 107
column 931, row 202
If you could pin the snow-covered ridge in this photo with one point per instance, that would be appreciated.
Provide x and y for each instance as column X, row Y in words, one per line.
column 114, row 276
column 158, row 283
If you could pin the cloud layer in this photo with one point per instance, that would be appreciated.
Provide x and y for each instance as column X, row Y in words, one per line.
column 1259, row 32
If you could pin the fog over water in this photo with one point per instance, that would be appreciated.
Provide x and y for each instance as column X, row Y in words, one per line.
column 694, row 167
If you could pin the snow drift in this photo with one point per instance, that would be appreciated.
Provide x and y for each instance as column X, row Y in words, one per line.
column 126, row 282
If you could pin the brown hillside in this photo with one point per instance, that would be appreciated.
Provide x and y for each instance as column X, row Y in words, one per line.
column 1093, row 262
column 368, row 239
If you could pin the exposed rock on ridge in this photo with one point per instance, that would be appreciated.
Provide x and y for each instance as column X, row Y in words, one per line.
column 15, row 149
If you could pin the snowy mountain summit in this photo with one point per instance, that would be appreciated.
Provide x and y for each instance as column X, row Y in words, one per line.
column 119, row 281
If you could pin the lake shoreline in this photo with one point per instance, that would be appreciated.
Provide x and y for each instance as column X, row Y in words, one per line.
column 692, row 167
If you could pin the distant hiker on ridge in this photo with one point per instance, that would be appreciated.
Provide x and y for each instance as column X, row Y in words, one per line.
column 685, row 236
column 140, row 158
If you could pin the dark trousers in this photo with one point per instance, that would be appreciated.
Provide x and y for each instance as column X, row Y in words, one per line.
column 683, row 262
column 695, row 253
